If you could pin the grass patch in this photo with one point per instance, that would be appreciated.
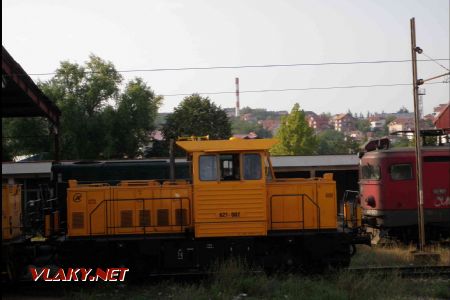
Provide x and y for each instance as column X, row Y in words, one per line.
column 233, row 280
column 394, row 256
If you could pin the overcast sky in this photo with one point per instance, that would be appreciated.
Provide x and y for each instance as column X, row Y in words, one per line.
column 204, row 33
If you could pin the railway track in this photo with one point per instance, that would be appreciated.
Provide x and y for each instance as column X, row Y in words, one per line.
column 407, row 272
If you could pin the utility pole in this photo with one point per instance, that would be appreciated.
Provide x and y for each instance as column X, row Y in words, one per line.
column 419, row 183
column 416, row 83
column 238, row 108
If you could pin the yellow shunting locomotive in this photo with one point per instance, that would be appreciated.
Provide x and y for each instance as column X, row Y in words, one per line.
column 232, row 206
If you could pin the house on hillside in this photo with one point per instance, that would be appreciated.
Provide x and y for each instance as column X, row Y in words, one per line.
column 249, row 117
column 230, row 111
column 357, row 135
column 343, row 122
column 376, row 123
column 317, row 122
column 402, row 124
column 270, row 125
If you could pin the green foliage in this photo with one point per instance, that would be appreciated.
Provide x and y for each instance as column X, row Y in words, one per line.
column 244, row 127
column 295, row 136
column 335, row 142
column 403, row 142
column 260, row 113
column 197, row 116
column 97, row 121
column 21, row 136
column 363, row 125
column 331, row 142
column 83, row 93
column 135, row 114
column 403, row 110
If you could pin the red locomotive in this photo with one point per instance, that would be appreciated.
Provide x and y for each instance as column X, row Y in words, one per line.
column 388, row 190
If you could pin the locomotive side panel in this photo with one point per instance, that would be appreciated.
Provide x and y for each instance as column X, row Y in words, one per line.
column 436, row 174
column 138, row 207
column 11, row 211
column 326, row 195
column 302, row 204
column 292, row 204
column 86, row 210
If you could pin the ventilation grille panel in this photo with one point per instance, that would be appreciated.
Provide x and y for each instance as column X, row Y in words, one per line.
column 126, row 218
column 77, row 220
column 163, row 217
column 181, row 216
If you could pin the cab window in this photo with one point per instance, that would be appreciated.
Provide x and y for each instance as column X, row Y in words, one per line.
column 229, row 167
column 252, row 166
column 370, row 172
column 401, row 172
column 208, row 167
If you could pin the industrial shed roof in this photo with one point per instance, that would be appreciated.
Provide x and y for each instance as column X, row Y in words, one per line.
column 12, row 168
column 20, row 95
column 315, row 161
column 352, row 161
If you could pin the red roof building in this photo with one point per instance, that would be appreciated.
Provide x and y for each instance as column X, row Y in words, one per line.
column 442, row 119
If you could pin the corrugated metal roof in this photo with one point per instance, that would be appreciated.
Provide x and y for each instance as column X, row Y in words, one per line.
column 277, row 162
column 315, row 161
column 26, row 168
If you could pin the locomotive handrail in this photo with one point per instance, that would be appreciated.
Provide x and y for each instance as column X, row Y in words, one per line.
column 106, row 201
column 303, row 209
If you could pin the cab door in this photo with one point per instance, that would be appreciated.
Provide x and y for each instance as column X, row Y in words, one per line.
column 229, row 194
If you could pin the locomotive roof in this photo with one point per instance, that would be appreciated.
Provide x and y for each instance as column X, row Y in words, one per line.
column 425, row 150
column 227, row 145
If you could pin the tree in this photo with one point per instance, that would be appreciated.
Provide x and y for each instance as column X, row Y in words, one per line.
column 402, row 141
column 363, row 125
column 385, row 130
column 244, row 127
column 331, row 142
column 403, row 110
column 97, row 121
column 21, row 136
column 136, row 112
column 197, row 116
column 83, row 93
column 295, row 136
column 335, row 142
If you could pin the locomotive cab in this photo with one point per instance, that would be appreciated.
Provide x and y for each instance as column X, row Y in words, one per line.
column 229, row 186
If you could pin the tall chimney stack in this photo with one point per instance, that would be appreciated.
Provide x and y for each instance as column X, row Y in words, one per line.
column 237, row 97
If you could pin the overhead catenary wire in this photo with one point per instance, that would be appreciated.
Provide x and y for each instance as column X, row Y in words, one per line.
column 299, row 89
column 435, row 61
column 248, row 66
